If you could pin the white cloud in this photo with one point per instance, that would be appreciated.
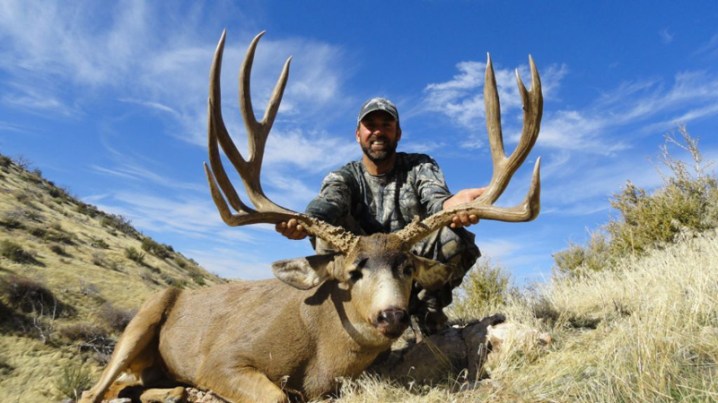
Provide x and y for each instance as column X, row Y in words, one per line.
column 310, row 151
column 710, row 48
column 66, row 39
column 593, row 129
column 231, row 263
column 576, row 130
column 666, row 36
column 313, row 83
column 127, row 51
column 499, row 248
column 37, row 101
column 461, row 98
column 189, row 217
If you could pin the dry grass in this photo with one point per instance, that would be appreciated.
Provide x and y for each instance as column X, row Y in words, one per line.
column 646, row 332
column 93, row 272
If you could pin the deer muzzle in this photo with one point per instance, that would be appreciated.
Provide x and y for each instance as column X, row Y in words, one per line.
column 392, row 322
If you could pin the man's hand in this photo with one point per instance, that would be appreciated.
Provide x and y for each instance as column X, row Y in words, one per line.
column 461, row 197
column 291, row 229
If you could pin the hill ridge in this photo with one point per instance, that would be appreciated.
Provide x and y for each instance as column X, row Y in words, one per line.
column 70, row 277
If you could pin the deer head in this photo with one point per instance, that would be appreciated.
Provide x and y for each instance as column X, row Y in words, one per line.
column 376, row 271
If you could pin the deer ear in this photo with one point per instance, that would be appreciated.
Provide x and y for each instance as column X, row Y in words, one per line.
column 431, row 274
column 305, row 273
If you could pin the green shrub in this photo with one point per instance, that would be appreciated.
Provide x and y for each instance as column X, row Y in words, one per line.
column 16, row 253
column 148, row 278
column 85, row 332
column 88, row 210
column 686, row 203
column 60, row 235
column 90, row 338
column 115, row 318
column 197, row 278
column 155, row 248
column 12, row 221
column 30, row 296
column 22, row 162
column 17, row 218
column 173, row 282
column 98, row 259
column 579, row 260
column 73, row 380
column 59, row 250
column 5, row 161
column 121, row 224
column 35, row 176
column 135, row 255
column 99, row 243
column 58, row 193
column 5, row 367
column 38, row 232
column 483, row 289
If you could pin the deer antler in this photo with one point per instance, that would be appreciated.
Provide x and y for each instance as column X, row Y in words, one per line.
column 249, row 169
column 504, row 167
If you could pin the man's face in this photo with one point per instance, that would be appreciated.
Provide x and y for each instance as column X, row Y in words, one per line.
column 378, row 135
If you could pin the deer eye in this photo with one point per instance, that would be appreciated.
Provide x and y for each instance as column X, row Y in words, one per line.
column 408, row 270
column 355, row 275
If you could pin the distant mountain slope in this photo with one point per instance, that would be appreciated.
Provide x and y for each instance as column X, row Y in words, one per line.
column 70, row 278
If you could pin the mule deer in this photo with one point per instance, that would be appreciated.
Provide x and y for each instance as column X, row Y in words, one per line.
column 325, row 316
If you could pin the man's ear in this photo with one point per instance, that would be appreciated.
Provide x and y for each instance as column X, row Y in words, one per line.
column 431, row 274
column 306, row 272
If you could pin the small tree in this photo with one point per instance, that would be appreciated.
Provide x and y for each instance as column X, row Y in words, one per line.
column 688, row 201
column 485, row 287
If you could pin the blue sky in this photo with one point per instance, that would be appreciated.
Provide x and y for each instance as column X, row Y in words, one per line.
column 108, row 99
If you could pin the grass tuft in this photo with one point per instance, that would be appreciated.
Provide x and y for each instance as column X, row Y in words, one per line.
column 72, row 380
column 16, row 253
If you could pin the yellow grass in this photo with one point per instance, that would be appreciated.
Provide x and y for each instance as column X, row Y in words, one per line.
column 29, row 368
column 655, row 338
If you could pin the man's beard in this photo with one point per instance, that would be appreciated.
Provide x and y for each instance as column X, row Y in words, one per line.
column 379, row 155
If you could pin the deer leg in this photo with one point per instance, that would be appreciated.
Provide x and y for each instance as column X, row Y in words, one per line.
column 133, row 348
column 244, row 385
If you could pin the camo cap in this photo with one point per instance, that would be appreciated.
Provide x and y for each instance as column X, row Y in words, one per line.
column 378, row 104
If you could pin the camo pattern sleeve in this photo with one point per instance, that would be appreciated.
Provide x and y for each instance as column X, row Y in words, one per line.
column 334, row 201
column 428, row 181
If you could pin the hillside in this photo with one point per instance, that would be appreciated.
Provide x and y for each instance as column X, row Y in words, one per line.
column 71, row 276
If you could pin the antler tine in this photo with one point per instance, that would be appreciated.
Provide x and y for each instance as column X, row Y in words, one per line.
column 493, row 114
column 504, row 167
column 217, row 129
column 249, row 169
column 257, row 132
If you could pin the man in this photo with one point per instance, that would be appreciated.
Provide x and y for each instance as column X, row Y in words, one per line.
column 383, row 192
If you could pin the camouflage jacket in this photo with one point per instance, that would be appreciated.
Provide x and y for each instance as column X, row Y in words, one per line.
column 367, row 204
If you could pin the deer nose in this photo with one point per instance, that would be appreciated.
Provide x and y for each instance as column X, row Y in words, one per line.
column 392, row 322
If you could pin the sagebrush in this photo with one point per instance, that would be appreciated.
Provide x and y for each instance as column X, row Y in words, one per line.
column 686, row 203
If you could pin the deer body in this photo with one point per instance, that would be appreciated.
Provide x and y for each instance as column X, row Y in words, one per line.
column 263, row 318
column 250, row 340
column 325, row 316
